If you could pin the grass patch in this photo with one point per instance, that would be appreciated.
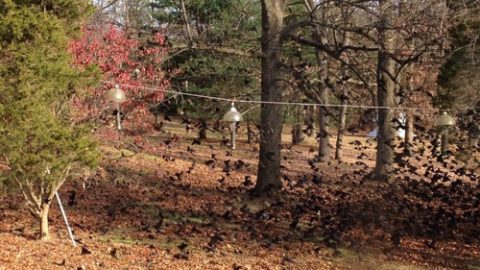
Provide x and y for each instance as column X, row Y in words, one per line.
column 152, row 210
column 176, row 217
column 369, row 259
column 120, row 236
column 230, row 226
column 123, row 236
column 474, row 266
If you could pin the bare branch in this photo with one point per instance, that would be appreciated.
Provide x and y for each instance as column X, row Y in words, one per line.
column 223, row 50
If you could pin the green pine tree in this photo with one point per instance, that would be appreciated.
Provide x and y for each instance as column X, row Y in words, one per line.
column 217, row 63
column 458, row 78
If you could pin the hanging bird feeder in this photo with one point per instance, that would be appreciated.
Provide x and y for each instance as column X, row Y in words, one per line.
column 116, row 96
column 445, row 120
column 233, row 116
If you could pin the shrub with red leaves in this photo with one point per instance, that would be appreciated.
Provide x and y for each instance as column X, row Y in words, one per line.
column 122, row 59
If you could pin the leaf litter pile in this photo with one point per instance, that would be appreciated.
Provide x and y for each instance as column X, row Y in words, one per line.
column 186, row 204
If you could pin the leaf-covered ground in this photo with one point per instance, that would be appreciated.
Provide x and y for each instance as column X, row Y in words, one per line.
column 179, row 205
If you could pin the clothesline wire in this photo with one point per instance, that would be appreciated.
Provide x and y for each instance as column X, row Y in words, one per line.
column 230, row 100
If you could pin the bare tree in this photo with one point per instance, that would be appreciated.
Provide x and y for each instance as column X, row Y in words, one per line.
column 379, row 32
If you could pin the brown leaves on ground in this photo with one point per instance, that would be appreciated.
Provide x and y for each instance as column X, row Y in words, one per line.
column 189, row 207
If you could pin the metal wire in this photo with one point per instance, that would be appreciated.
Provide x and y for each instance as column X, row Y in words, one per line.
column 270, row 102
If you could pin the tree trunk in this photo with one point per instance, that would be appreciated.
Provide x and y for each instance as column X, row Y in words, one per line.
column 408, row 133
column 386, row 131
column 409, row 85
column 44, row 233
column 473, row 133
column 444, row 142
column 271, row 114
column 436, row 144
column 310, row 120
column 202, row 134
column 344, row 101
column 385, row 98
column 297, row 132
column 341, row 131
column 323, row 134
column 188, row 28
column 250, row 134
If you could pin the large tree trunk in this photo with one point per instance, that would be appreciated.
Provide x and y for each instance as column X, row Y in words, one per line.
column 271, row 115
column 385, row 98
column 386, row 131
column 43, row 215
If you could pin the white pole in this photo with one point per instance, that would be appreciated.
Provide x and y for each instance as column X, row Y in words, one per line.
column 65, row 219
column 119, row 120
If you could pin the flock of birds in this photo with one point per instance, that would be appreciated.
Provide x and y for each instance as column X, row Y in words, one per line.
column 431, row 198
column 436, row 198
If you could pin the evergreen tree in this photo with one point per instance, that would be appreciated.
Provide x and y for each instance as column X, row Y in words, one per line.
column 215, row 46
column 38, row 142
column 458, row 79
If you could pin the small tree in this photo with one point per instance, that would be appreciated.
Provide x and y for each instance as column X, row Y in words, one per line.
column 38, row 142
column 42, row 153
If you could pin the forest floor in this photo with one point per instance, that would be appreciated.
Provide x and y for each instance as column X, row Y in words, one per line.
column 183, row 207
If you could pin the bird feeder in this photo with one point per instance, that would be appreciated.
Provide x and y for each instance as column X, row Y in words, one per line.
column 444, row 122
column 233, row 116
column 116, row 96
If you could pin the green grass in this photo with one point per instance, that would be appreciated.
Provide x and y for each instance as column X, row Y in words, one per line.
column 474, row 266
column 369, row 259
column 179, row 218
column 120, row 236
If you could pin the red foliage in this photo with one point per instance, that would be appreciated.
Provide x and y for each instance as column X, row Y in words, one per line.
column 124, row 60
